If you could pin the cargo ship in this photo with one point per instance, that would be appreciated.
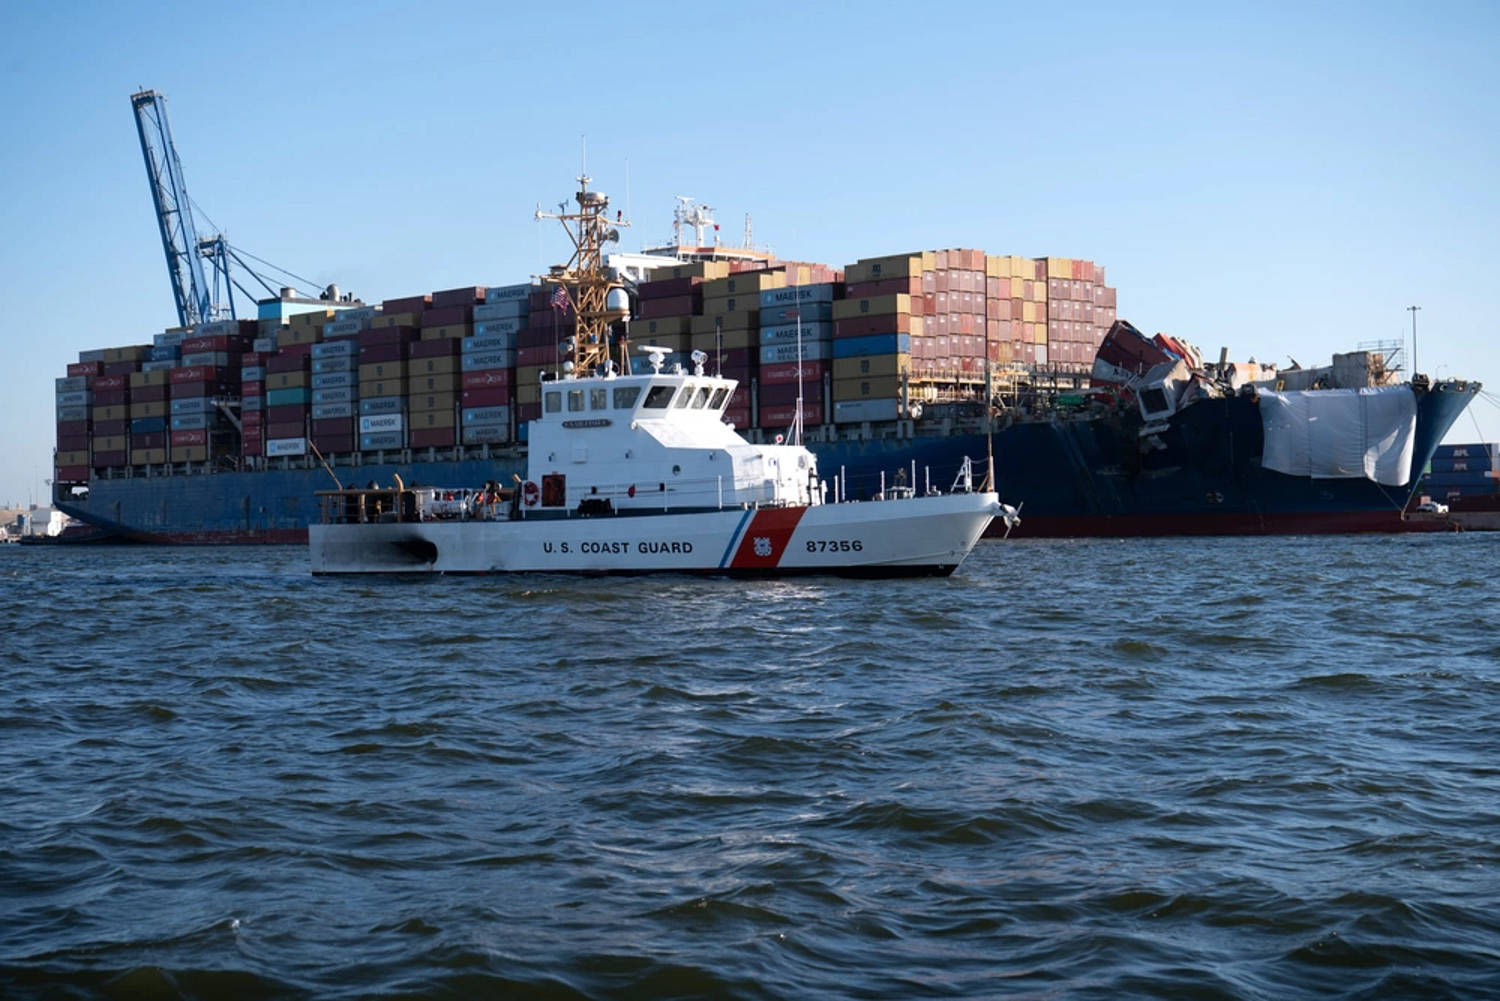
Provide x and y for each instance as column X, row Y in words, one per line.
column 896, row 370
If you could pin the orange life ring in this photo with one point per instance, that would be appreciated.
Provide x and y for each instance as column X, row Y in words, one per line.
column 531, row 493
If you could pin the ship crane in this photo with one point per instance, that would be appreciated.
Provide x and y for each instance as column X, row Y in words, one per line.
column 199, row 299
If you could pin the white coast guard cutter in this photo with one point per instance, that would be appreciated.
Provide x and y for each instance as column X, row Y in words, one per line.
column 638, row 473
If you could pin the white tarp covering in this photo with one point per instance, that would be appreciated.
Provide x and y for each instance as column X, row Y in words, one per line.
column 1339, row 433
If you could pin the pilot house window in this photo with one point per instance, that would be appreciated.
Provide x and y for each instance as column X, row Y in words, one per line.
column 658, row 397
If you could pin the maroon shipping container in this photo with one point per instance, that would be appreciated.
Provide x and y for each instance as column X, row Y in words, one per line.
column 110, row 428
column 447, row 316
column 148, row 394
column 110, row 382
column 250, row 359
column 668, row 288
column 193, row 373
column 194, row 437
column 72, row 442
column 248, row 389
column 252, row 418
column 469, row 295
column 864, row 326
column 283, row 362
column 485, row 396
column 332, row 426
column 72, row 427
column 186, row 390
column 886, row 286
column 431, row 437
column 489, row 378
column 148, row 439
column 781, row 416
column 70, row 474
column 410, row 304
column 738, row 416
column 121, row 367
column 288, row 429
column 250, row 447
column 218, row 342
column 780, row 394
column 387, row 335
column 533, row 337
column 112, row 397
column 551, row 319
column 286, row 413
column 372, row 353
column 328, row 442
column 86, row 368
column 681, row 305
column 103, row 460
column 289, row 350
column 546, row 354
column 431, row 349
column 528, row 412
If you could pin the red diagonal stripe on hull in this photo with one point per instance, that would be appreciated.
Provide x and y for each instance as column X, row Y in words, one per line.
column 773, row 524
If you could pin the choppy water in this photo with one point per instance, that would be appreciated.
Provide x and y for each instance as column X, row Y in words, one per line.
column 1104, row 769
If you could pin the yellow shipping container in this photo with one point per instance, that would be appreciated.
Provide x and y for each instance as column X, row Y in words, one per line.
column 873, row 387
column 312, row 319
column 1028, row 311
column 299, row 335
column 451, row 332
column 880, row 305
column 382, row 370
column 189, row 453
column 667, row 326
column 743, row 304
column 432, row 401
column 440, row 417
column 141, row 379
column 113, row 412
column 700, row 269
column 133, row 353
column 397, row 320
column 873, row 269
column 394, row 386
column 287, row 380
column 1059, row 267
column 432, row 366
column 726, row 322
column 79, row 457
column 867, row 366
column 444, row 382
column 110, row 443
column 530, row 392
column 1041, row 334
column 147, row 456
column 711, row 340
column 157, row 408
column 747, row 285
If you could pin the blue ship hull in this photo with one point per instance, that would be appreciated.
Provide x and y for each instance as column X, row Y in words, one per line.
column 1083, row 477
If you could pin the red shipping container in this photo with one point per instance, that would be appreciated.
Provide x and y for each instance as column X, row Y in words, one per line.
column 682, row 305
column 72, row 442
column 250, row 447
column 410, row 304
column 72, row 427
column 195, row 437
column 113, row 397
column 668, row 288
column 110, row 382
column 213, row 342
column 781, row 416
column 372, row 353
column 283, row 362
column 252, row 389
column 546, row 354
column 291, row 429
column 787, row 372
column 488, row 396
column 193, row 373
column 912, row 285
column 121, row 367
column 431, row 437
column 466, row 296
column 448, row 316
column 332, row 426
column 148, row 394
column 148, row 439
column 485, row 378
column 289, row 351
column 431, row 349
column 105, row 428
column 103, row 460
column 251, row 418
column 286, row 413
column 528, row 412
column 738, row 416
column 329, row 443
column 87, row 368
column 71, row 474
column 252, row 358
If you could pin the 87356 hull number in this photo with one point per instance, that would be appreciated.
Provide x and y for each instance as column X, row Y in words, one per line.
column 835, row 545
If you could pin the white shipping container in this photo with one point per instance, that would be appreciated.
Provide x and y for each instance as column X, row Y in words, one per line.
column 286, row 446
column 857, row 411
column 376, row 423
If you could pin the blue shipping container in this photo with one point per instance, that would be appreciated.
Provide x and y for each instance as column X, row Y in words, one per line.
column 872, row 344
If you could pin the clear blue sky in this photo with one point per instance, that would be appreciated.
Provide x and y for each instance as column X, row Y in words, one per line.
column 1282, row 179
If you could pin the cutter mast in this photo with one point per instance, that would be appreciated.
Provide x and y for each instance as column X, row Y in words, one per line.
column 584, row 282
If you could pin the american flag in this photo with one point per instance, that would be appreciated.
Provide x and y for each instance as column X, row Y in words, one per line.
column 560, row 298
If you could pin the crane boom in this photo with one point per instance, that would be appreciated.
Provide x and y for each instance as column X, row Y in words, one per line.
column 179, row 236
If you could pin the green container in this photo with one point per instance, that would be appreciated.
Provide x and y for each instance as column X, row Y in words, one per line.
column 285, row 397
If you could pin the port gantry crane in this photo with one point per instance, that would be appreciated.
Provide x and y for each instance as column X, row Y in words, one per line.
column 198, row 300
